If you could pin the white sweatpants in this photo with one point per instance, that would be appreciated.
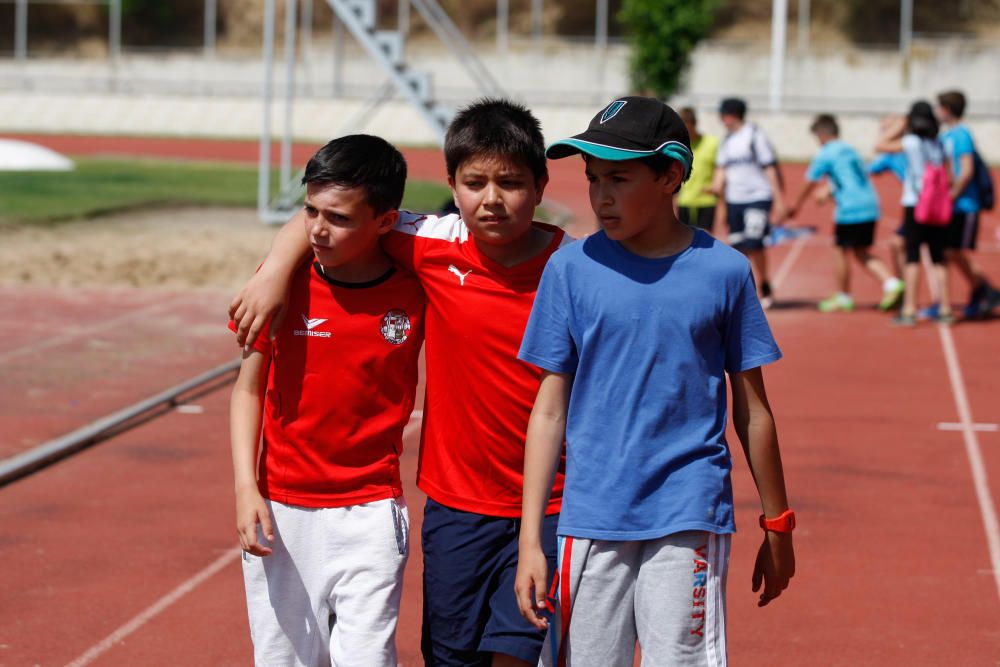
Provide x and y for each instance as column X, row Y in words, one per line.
column 329, row 592
column 669, row 593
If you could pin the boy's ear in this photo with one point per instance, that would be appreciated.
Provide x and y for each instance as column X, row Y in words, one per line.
column 540, row 188
column 387, row 221
column 451, row 184
column 673, row 178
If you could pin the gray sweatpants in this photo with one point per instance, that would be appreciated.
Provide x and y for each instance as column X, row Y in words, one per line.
column 669, row 593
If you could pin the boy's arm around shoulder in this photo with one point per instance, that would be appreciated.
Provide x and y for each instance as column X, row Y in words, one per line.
column 264, row 296
column 546, row 434
column 245, row 419
column 754, row 424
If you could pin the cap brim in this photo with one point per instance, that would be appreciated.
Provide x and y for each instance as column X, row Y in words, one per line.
column 603, row 151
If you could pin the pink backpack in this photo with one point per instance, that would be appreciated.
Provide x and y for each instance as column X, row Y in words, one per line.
column 934, row 204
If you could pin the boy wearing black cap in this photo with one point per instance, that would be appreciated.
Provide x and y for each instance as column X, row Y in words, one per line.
column 635, row 329
column 747, row 177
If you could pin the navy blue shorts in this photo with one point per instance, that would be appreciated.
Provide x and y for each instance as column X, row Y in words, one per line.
column 749, row 224
column 470, row 611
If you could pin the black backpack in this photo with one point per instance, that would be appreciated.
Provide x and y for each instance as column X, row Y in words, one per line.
column 984, row 182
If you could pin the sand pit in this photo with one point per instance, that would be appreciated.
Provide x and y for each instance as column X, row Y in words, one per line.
column 170, row 248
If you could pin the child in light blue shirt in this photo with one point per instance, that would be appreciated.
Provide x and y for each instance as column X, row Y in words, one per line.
column 855, row 215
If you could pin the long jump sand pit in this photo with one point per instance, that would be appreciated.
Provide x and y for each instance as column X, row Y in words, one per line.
column 155, row 248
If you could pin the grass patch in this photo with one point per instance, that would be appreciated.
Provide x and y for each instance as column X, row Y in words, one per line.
column 101, row 186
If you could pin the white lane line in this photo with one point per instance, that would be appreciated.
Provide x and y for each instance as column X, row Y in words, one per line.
column 786, row 265
column 173, row 596
column 154, row 610
column 972, row 451
column 982, row 428
column 81, row 332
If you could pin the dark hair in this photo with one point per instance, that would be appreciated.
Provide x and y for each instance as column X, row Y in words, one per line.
column 687, row 115
column 495, row 128
column 953, row 101
column 361, row 161
column 825, row 124
column 921, row 121
column 733, row 106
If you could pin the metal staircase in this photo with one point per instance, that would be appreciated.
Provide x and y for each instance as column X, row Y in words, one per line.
column 387, row 49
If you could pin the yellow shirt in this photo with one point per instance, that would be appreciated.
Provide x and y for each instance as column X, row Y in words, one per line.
column 702, row 171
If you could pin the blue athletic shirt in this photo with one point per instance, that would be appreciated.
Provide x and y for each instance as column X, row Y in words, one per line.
column 958, row 142
column 852, row 189
column 649, row 342
column 894, row 162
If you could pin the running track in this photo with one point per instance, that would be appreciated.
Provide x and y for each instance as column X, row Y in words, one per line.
column 124, row 554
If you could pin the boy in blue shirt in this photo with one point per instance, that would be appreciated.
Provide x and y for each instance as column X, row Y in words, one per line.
column 635, row 329
column 855, row 215
column 964, row 226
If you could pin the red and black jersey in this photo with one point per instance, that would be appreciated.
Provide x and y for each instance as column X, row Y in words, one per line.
column 340, row 389
column 479, row 394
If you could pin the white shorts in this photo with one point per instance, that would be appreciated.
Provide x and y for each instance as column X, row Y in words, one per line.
column 668, row 593
column 329, row 592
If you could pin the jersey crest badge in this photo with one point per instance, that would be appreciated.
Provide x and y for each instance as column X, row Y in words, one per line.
column 395, row 327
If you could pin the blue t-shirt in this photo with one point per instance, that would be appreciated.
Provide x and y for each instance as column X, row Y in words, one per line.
column 958, row 142
column 894, row 162
column 852, row 189
column 649, row 342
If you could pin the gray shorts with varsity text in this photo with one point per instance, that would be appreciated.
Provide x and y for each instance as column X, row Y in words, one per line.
column 668, row 593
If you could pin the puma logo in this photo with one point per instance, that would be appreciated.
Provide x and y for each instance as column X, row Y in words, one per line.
column 461, row 276
column 415, row 222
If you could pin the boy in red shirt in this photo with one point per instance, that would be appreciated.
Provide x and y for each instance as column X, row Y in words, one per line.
column 480, row 271
column 319, row 509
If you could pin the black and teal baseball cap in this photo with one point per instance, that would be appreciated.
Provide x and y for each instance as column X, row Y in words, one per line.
column 629, row 128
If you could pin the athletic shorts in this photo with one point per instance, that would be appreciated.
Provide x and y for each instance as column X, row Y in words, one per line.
column 749, row 224
column 962, row 231
column 668, row 593
column 702, row 217
column 855, row 235
column 470, row 609
column 329, row 592
column 916, row 235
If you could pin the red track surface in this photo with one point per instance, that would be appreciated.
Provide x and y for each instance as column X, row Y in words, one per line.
column 893, row 561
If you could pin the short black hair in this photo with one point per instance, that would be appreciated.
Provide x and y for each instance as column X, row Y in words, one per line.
column 826, row 124
column 499, row 128
column 921, row 120
column 361, row 161
column 733, row 106
column 953, row 101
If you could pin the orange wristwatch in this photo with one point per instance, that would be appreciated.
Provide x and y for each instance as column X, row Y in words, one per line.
column 783, row 523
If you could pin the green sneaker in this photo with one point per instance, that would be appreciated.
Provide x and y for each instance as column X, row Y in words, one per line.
column 835, row 303
column 892, row 296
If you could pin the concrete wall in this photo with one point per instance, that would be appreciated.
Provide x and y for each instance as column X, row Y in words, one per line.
column 564, row 83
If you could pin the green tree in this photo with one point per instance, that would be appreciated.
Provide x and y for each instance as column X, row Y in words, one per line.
column 663, row 34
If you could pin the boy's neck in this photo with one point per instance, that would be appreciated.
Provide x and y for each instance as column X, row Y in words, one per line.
column 369, row 267
column 528, row 246
column 664, row 239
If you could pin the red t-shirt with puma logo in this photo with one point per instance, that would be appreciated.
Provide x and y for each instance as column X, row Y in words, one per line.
column 479, row 394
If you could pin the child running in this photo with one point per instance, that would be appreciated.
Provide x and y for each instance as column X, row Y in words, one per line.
column 635, row 330
column 855, row 215
column 319, row 509
column 480, row 270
